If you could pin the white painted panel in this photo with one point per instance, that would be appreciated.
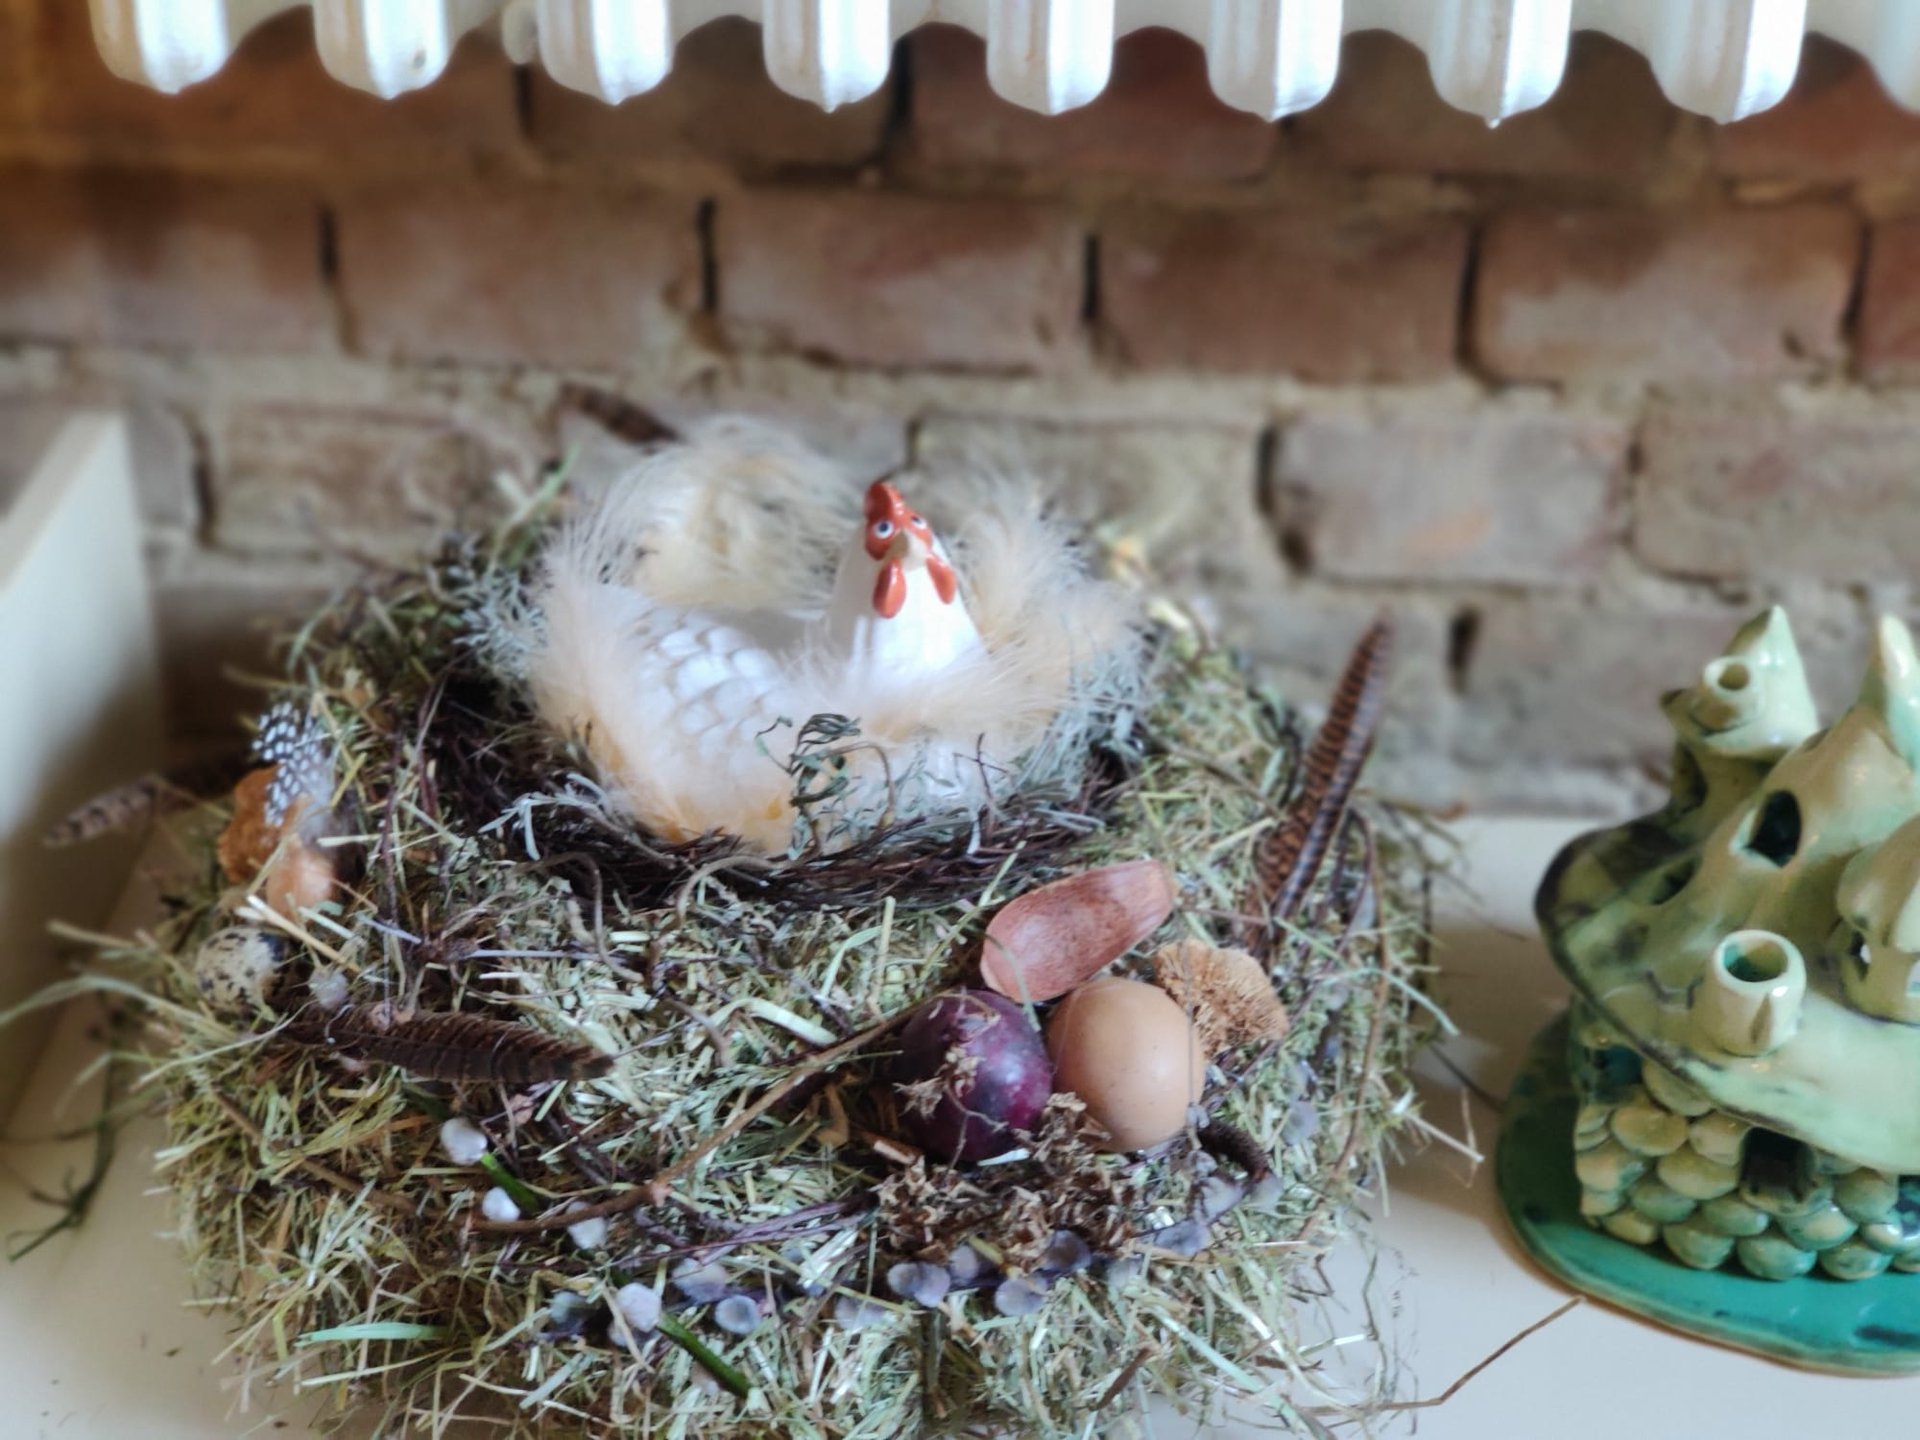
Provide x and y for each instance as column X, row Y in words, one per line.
column 1494, row 58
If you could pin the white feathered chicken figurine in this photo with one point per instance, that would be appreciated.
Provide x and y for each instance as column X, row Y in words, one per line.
column 691, row 627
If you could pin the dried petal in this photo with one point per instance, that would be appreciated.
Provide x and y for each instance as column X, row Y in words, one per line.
column 737, row 1315
column 701, row 1283
column 1301, row 1124
column 639, row 1306
column 1228, row 993
column 1049, row 940
column 1218, row 1195
column 1019, row 1296
column 1185, row 1238
column 968, row 1266
column 858, row 1312
column 920, row 1282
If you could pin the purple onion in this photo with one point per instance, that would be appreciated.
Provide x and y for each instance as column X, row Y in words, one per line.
column 993, row 1070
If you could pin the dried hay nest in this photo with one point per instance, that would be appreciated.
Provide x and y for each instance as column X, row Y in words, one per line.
column 665, row 1059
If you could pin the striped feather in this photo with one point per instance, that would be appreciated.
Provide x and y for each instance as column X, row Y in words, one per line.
column 1290, row 856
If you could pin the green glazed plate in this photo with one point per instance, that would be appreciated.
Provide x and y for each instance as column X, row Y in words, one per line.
column 1866, row 1327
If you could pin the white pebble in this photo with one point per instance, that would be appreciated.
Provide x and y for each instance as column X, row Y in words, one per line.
column 497, row 1204
column 589, row 1234
column 464, row 1141
column 639, row 1306
column 329, row 988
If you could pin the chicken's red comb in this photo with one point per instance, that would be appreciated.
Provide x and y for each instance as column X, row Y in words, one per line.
column 885, row 503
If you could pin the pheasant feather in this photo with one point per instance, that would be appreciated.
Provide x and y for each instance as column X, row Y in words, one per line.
column 449, row 1045
column 1290, row 855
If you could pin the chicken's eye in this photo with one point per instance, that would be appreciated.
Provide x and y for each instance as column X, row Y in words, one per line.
column 882, row 529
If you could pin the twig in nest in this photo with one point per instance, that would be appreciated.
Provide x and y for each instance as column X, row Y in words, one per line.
column 615, row 414
column 1291, row 854
column 656, row 1186
column 449, row 1045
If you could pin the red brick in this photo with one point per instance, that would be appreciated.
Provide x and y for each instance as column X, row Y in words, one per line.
column 1183, row 496
column 1696, row 295
column 1820, row 489
column 1530, row 497
column 1608, row 120
column 517, row 274
column 1566, row 683
column 1889, row 327
column 272, row 94
column 317, row 480
column 154, row 259
column 1563, row 683
column 13, row 71
column 717, row 104
column 1299, row 295
column 1836, row 124
column 897, row 280
column 1158, row 117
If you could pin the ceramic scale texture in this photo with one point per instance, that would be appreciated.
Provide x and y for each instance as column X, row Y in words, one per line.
column 1858, row 1327
column 1721, row 1134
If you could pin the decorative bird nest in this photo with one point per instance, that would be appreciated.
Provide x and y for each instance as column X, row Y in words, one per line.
column 521, row 1111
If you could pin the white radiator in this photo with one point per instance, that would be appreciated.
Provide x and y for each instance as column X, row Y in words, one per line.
column 1495, row 58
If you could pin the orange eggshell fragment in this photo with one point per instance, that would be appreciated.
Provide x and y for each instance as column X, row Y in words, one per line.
column 1051, row 939
column 297, row 875
column 1128, row 1051
column 300, row 877
column 249, row 838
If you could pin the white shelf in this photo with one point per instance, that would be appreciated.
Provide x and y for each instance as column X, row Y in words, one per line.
column 95, row 1344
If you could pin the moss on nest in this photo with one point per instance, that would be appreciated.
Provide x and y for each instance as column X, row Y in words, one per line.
column 740, row 1134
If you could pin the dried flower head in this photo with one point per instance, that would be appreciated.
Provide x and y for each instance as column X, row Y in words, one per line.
column 1228, row 993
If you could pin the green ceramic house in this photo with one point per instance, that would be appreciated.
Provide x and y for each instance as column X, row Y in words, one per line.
column 1745, row 1037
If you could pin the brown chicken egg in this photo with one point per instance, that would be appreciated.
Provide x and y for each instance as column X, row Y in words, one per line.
column 1129, row 1051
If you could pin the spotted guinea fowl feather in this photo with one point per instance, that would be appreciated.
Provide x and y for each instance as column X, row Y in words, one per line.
column 1290, row 856
column 298, row 746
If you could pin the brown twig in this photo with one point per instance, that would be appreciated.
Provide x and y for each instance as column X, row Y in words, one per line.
column 1454, row 1389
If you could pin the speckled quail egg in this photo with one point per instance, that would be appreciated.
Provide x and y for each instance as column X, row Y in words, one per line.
column 235, row 969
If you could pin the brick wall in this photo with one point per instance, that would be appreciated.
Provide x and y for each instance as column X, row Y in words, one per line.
column 1573, row 395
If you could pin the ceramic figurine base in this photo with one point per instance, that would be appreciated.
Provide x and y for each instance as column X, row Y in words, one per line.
column 1867, row 1326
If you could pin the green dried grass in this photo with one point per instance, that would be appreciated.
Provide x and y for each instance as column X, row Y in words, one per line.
column 315, row 1205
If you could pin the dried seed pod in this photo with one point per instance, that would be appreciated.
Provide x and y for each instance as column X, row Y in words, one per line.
column 1228, row 993
column 1051, row 939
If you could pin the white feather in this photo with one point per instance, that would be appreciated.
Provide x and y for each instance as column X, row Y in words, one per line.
column 691, row 624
